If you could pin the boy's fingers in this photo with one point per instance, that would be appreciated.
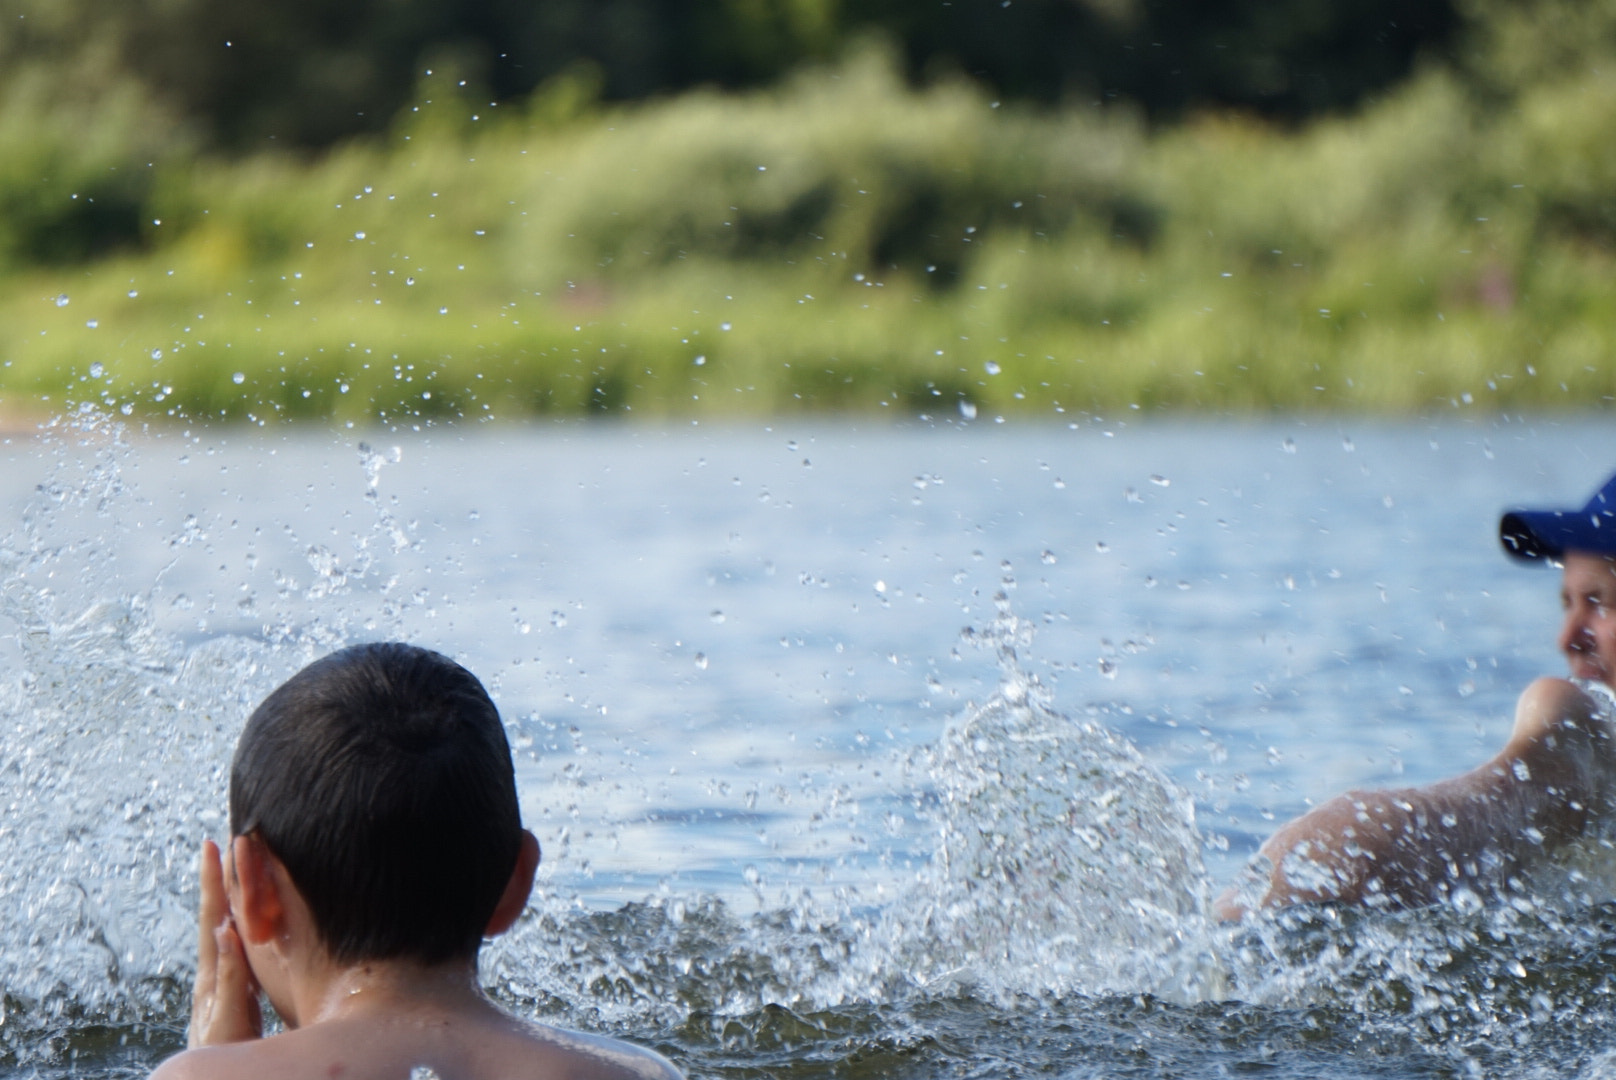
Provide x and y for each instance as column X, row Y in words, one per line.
column 212, row 909
column 224, row 1001
column 228, row 1012
column 236, row 999
column 210, row 913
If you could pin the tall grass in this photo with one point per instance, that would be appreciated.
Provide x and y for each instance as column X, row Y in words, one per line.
column 845, row 242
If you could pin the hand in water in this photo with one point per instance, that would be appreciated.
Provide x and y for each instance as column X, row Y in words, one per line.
column 224, row 1003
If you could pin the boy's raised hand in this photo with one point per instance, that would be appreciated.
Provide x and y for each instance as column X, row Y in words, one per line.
column 224, row 1003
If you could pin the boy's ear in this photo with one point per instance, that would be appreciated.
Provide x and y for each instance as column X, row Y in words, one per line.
column 254, row 878
column 514, row 899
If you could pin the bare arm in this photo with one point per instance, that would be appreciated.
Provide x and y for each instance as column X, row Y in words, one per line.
column 1413, row 846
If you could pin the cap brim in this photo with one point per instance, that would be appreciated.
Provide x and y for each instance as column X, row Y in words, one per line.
column 1530, row 535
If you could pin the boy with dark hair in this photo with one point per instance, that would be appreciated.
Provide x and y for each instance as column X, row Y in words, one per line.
column 375, row 840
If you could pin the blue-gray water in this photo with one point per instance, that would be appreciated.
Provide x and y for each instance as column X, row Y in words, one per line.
column 798, row 818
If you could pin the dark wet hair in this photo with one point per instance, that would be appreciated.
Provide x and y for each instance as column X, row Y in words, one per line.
column 381, row 778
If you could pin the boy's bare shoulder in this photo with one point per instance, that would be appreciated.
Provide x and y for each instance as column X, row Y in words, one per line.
column 598, row 1056
column 214, row 1063
column 513, row 1050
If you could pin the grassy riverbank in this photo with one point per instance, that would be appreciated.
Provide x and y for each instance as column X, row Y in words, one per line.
column 841, row 242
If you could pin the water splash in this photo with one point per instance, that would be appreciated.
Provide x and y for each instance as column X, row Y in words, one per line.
column 1062, row 863
column 335, row 573
column 1065, row 861
column 114, row 742
column 1063, row 882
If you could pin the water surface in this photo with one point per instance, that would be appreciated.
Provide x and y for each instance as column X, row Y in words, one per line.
column 853, row 750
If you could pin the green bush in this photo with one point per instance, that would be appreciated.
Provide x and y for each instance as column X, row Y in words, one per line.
column 842, row 241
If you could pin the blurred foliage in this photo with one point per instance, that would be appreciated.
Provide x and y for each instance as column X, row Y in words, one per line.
column 841, row 240
column 308, row 72
column 845, row 242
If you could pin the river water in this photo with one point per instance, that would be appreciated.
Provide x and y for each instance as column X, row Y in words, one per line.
column 854, row 751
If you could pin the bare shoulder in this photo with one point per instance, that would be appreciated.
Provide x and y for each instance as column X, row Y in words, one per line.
column 596, row 1057
column 1552, row 704
column 210, row 1062
column 1563, row 736
column 490, row 1046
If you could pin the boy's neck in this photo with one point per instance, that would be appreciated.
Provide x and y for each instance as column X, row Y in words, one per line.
column 331, row 991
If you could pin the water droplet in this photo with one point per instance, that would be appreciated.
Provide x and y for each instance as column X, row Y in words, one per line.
column 1101, row 546
column 97, row 370
column 157, row 354
column 557, row 619
column 723, row 326
column 1289, row 445
column 880, row 586
column 93, row 323
column 1522, row 773
column 700, row 361
column 1159, row 480
column 409, row 281
column 716, row 615
column 1108, row 667
column 127, row 408
column 991, row 368
column 967, row 409
column 358, row 236
column 62, row 300
column 1060, row 484
column 1048, row 557
column 443, row 311
column 133, row 293
column 701, row 661
column 1346, row 444
column 239, row 377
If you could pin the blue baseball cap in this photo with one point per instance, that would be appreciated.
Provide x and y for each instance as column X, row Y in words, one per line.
column 1549, row 534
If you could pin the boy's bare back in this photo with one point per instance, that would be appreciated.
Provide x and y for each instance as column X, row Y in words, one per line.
column 480, row 1044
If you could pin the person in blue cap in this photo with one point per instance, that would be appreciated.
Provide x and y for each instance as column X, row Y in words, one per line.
column 1493, row 830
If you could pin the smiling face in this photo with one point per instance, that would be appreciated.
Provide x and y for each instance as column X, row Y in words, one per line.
column 1588, row 636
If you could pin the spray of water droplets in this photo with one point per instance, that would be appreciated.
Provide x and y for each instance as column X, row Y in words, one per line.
column 1059, row 866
